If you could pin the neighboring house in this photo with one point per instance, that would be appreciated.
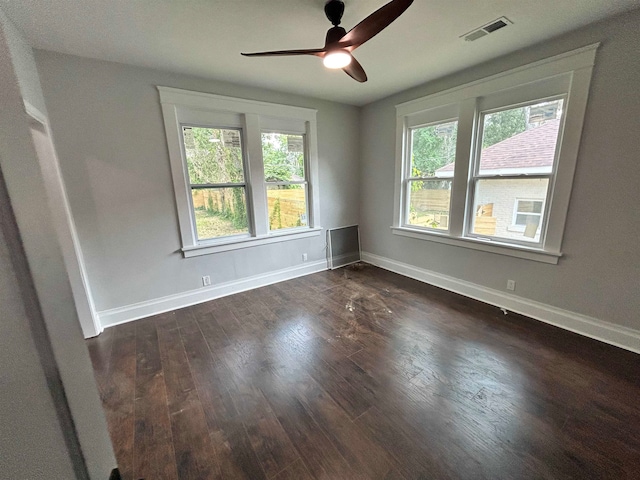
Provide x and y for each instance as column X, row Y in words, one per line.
column 516, row 205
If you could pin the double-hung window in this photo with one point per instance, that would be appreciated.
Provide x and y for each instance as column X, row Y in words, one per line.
column 285, row 177
column 432, row 146
column 215, row 165
column 489, row 165
column 244, row 172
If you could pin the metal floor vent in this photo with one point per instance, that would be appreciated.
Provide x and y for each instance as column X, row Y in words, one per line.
column 343, row 246
column 485, row 30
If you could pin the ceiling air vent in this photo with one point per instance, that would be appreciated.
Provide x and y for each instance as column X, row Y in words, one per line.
column 486, row 29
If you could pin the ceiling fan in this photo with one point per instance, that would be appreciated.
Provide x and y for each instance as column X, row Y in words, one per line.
column 339, row 43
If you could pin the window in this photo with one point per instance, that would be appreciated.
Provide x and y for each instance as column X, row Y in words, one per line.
column 527, row 214
column 286, row 181
column 215, row 163
column 433, row 147
column 244, row 172
column 489, row 165
column 517, row 157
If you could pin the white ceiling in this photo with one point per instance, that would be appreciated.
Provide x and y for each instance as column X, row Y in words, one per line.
column 205, row 37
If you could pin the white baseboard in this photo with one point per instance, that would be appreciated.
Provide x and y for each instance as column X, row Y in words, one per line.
column 128, row 313
column 619, row 336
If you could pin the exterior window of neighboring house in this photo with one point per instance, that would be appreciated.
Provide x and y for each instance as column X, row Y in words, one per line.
column 527, row 214
column 480, row 166
column 244, row 172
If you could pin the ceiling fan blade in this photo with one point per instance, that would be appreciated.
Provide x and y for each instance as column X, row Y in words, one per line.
column 374, row 24
column 355, row 70
column 278, row 53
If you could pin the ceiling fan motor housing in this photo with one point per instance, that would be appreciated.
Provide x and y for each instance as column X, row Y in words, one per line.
column 334, row 34
column 334, row 9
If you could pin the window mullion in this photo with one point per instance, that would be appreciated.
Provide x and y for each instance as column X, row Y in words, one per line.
column 255, row 174
column 464, row 149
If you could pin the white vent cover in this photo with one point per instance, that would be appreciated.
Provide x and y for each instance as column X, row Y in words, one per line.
column 343, row 246
column 485, row 30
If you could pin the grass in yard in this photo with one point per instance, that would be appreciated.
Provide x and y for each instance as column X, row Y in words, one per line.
column 212, row 225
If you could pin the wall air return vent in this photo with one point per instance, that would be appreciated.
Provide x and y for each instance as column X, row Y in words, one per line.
column 485, row 30
column 344, row 246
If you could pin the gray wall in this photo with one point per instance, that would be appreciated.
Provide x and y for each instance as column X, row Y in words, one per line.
column 598, row 274
column 24, row 64
column 31, row 439
column 107, row 125
column 71, row 441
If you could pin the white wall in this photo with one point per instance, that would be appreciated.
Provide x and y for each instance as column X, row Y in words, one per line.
column 598, row 274
column 31, row 439
column 107, row 125
column 48, row 311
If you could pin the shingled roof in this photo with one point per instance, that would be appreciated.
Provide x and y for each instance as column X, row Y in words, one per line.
column 532, row 150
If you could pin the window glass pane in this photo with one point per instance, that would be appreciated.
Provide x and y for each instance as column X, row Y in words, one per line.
column 283, row 157
column 495, row 204
column 529, row 206
column 220, row 212
column 520, row 140
column 287, row 206
column 214, row 155
column 527, row 219
column 429, row 202
column 433, row 150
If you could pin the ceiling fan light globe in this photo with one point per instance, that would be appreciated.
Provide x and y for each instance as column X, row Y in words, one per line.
column 337, row 59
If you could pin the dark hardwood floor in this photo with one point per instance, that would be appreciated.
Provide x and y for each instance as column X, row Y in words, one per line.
column 363, row 374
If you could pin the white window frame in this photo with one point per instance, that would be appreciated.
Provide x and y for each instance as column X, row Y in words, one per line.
column 408, row 175
column 242, row 184
column 304, row 182
column 545, row 90
column 567, row 75
column 187, row 108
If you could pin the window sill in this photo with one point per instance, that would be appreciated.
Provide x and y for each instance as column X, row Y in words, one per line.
column 518, row 251
column 238, row 243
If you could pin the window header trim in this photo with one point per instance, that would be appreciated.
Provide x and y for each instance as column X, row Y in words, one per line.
column 563, row 63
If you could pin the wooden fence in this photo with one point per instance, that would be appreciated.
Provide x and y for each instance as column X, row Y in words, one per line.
column 287, row 208
column 431, row 200
column 433, row 206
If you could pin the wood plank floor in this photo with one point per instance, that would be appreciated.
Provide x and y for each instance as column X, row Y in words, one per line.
column 363, row 374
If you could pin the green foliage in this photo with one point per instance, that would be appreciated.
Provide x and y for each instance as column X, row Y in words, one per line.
column 416, row 184
column 275, row 219
column 502, row 125
column 280, row 164
column 432, row 149
column 209, row 160
column 239, row 216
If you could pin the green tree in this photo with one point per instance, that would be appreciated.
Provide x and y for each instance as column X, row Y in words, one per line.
column 275, row 219
column 281, row 163
column 432, row 148
column 502, row 125
column 209, row 158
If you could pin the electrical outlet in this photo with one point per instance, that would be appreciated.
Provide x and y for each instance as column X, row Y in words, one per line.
column 206, row 281
column 304, row 257
column 511, row 285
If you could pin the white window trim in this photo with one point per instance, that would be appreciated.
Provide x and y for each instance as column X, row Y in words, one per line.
column 183, row 107
column 415, row 124
column 304, row 183
column 575, row 69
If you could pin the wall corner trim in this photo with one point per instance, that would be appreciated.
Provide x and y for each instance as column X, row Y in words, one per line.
column 591, row 327
column 128, row 313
